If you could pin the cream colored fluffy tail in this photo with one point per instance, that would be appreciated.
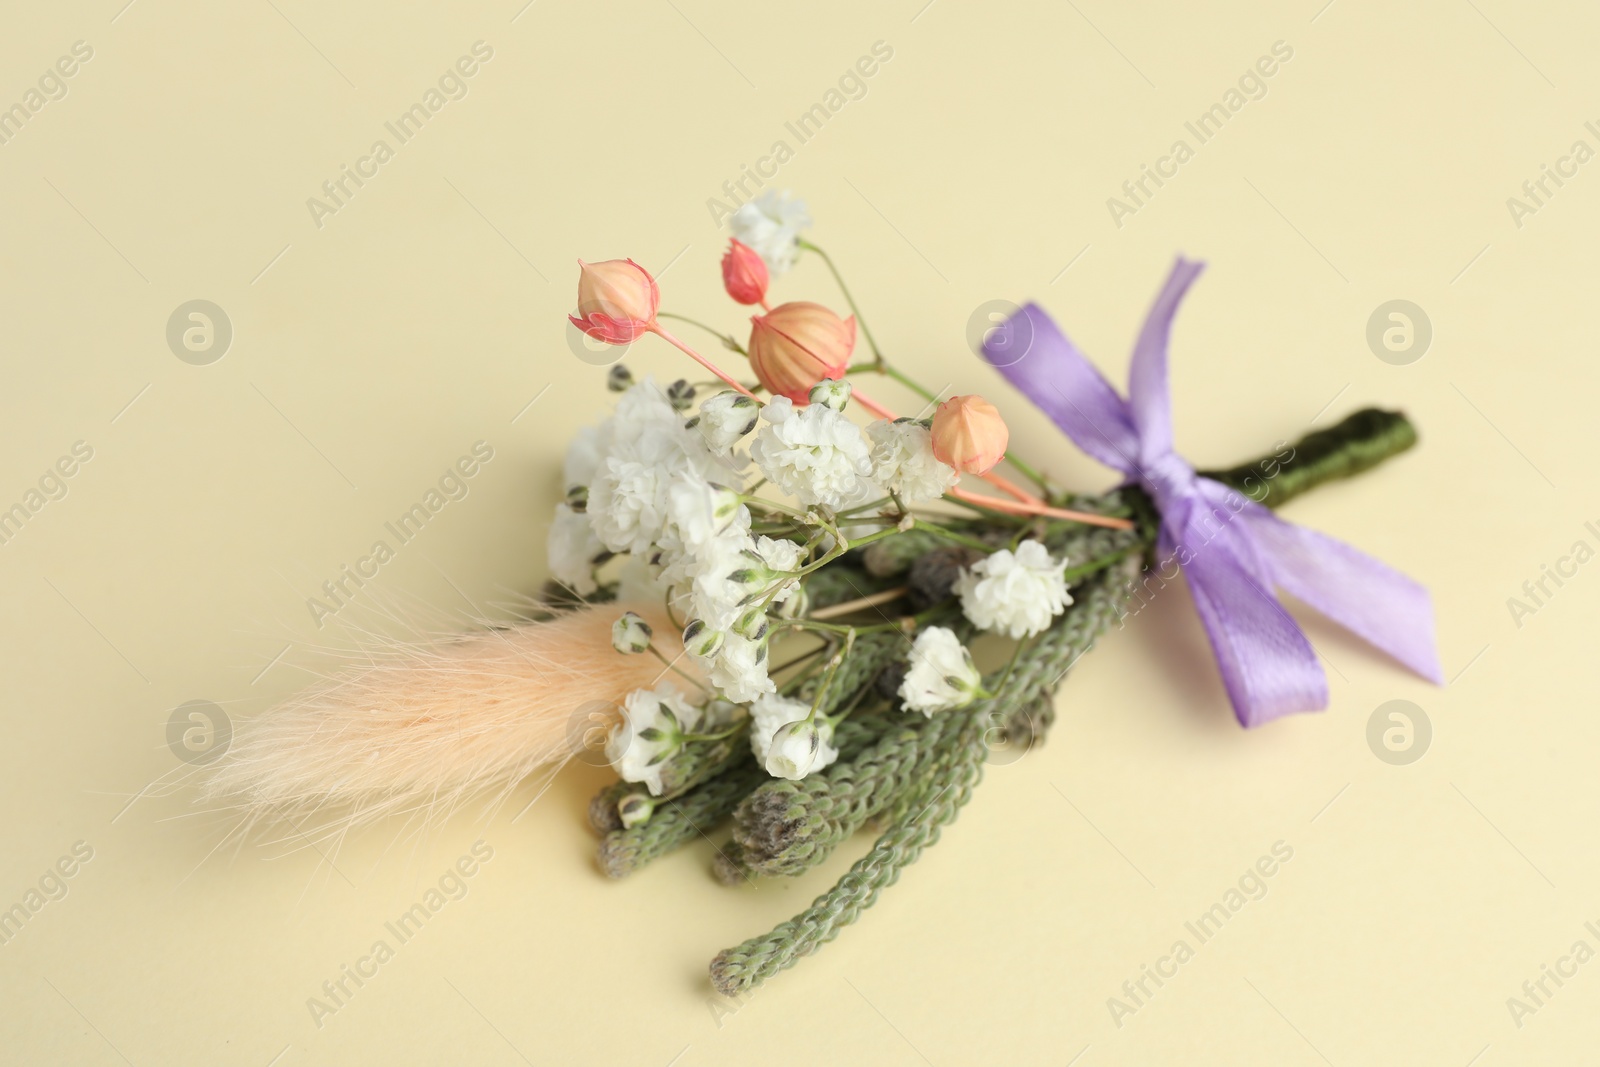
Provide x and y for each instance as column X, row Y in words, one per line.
column 421, row 728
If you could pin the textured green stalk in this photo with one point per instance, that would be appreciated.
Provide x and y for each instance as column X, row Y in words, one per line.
column 784, row 827
column 678, row 821
column 1360, row 442
column 918, row 825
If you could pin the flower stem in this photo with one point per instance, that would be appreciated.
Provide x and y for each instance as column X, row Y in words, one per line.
column 866, row 331
column 727, row 339
column 665, row 335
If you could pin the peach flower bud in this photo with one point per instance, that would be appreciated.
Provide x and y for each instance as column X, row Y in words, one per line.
column 969, row 434
column 794, row 346
column 744, row 273
column 617, row 301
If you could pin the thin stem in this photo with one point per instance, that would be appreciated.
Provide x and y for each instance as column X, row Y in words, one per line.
column 833, row 611
column 872, row 405
column 667, row 336
column 675, row 669
column 727, row 339
column 951, row 535
column 866, row 331
column 1019, row 507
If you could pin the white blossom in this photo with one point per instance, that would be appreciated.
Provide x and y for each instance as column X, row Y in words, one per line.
column 814, row 454
column 771, row 224
column 725, row 571
column 649, row 453
column 939, row 673
column 652, row 727
column 739, row 669
column 725, row 418
column 1016, row 594
column 903, row 461
column 571, row 549
column 785, row 743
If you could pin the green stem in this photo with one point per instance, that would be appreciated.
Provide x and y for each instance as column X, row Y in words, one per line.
column 866, row 331
column 727, row 339
column 951, row 535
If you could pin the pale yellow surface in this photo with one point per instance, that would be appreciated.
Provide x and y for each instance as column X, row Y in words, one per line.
column 427, row 313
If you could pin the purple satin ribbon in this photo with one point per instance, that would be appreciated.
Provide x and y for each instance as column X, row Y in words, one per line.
column 1236, row 554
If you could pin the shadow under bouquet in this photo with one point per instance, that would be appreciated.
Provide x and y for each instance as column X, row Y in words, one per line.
column 767, row 585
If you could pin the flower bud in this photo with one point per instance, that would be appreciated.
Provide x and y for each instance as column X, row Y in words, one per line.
column 680, row 394
column 701, row 640
column 799, row 747
column 969, row 434
column 744, row 273
column 630, row 633
column 831, row 393
column 617, row 301
column 794, row 346
column 725, row 418
column 635, row 809
column 752, row 625
column 619, row 379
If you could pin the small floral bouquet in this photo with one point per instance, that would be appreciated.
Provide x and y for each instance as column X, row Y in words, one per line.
column 764, row 604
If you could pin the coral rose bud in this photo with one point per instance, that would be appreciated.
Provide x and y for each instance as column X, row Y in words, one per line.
column 794, row 346
column 744, row 274
column 617, row 301
column 969, row 434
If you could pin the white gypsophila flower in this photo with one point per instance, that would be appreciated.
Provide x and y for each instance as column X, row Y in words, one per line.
column 940, row 674
column 903, row 461
column 652, row 726
column 771, row 224
column 654, row 474
column 781, row 557
column 785, row 744
column 725, row 571
column 739, row 669
column 1014, row 593
column 571, row 549
column 814, row 454
column 699, row 510
column 725, row 418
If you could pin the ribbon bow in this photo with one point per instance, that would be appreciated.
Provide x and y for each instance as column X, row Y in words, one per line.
column 1236, row 554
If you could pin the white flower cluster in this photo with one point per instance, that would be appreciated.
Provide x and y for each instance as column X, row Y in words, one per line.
column 770, row 225
column 787, row 740
column 655, row 724
column 664, row 487
column 1015, row 593
column 939, row 673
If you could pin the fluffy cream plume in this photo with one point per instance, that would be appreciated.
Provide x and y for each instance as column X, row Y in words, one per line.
column 421, row 727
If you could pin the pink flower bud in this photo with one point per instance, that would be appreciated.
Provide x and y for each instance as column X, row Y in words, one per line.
column 794, row 346
column 617, row 301
column 744, row 273
column 969, row 434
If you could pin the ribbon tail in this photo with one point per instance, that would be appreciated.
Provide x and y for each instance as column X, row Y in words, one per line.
column 1372, row 600
column 1149, row 401
column 1268, row 667
column 1032, row 353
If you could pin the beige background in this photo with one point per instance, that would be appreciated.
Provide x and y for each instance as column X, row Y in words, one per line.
column 428, row 313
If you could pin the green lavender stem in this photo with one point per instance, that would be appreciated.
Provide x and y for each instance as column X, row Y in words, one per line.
column 918, row 824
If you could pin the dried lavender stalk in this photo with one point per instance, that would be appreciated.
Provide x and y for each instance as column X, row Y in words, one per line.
column 1038, row 671
column 678, row 821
